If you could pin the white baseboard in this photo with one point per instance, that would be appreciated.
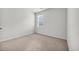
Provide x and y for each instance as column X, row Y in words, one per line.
column 17, row 36
column 53, row 36
column 10, row 38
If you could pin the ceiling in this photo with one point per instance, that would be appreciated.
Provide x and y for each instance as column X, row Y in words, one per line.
column 36, row 10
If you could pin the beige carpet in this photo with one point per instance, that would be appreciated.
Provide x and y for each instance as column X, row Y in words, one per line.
column 34, row 42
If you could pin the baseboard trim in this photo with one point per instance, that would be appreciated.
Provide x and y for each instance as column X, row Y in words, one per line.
column 27, row 35
column 7, row 39
column 50, row 36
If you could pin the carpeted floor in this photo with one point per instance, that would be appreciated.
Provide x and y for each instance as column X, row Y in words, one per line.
column 34, row 42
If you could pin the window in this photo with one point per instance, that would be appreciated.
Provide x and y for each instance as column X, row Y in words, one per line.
column 40, row 20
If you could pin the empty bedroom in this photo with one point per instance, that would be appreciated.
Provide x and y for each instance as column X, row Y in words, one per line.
column 33, row 29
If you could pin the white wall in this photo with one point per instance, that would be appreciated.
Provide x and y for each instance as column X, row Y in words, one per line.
column 17, row 22
column 73, row 29
column 0, row 23
column 54, row 23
